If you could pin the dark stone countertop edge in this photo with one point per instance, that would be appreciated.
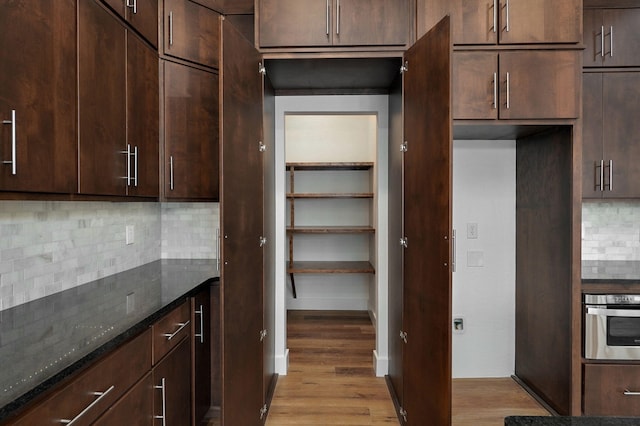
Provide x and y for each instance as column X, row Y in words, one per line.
column 570, row 421
column 23, row 402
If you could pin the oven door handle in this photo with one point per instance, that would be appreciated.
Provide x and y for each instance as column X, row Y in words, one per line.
column 629, row 313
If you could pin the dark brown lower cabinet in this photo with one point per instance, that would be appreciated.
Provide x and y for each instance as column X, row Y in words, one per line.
column 611, row 390
column 202, row 350
column 134, row 408
column 172, row 386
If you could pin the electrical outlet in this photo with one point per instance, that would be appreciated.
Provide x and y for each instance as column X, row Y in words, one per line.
column 472, row 231
column 129, row 235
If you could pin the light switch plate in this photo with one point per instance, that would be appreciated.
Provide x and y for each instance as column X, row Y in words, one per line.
column 129, row 235
column 472, row 231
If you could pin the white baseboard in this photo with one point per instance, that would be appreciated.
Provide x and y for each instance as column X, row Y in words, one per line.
column 282, row 363
column 324, row 304
column 381, row 364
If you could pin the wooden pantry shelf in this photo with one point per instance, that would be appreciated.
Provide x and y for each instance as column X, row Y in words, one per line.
column 330, row 166
column 321, row 195
column 331, row 267
column 330, row 230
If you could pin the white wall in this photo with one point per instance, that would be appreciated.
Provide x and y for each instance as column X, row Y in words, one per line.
column 377, row 296
column 484, row 281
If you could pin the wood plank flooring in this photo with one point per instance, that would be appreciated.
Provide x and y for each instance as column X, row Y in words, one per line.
column 331, row 380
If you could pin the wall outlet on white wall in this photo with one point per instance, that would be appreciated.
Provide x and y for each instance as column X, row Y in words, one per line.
column 129, row 234
column 472, row 231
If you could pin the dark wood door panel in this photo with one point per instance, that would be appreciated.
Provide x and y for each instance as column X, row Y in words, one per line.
column 295, row 23
column 134, row 408
column 427, row 226
column 144, row 18
column 474, row 21
column 38, row 82
column 475, row 85
column 371, row 22
column 604, row 390
column 540, row 21
column 242, row 227
column 102, row 101
column 592, row 119
column 172, row 386
column 201, row 341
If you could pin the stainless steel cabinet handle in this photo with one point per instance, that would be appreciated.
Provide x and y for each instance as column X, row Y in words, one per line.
column 327, row 16
column 508, row 91
column 610, row 167
column 495, row 90
column 599, row 179
column 218, row 249
column 170, row 28
column 602, row 41
column 507, row 26
column 133, row 4
column 128, row 154
column 164, row 403
column 495, row 16
column 13, row 162
column 181, row 326
column 99, row 395
column 135, row 166
column 338, row 17
column 611, row 41
column 453, row 250
column 627, row 392
column 171, row 173
column 200, row 312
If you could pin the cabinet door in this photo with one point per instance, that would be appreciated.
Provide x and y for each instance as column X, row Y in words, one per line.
column 143, row 16
column 475, row 85
column 594, row 42
column 102, row 101
column 539, row 84
column 592, row 121
column 191, row 133
column 371, row 22
column 172, row 386
column 142, row 118
column 242, row 226
column 604, row 390
column 294, row 23
column 540, row 21
column 620, row 93
column 622, row 38
column 475, row 21
column 134, row 408
column 428, row 228
column 191, row 32
column 38, row 82
column 201, row 341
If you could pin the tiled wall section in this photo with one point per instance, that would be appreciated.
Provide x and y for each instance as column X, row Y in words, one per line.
column 47, row 247
column 189, row 230
column 611, row 231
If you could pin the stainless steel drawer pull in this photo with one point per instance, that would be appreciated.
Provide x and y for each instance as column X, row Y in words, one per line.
column 611, row 41
column 622, row 313
column 128, row 154
column 602, row 41
column 495, row 16
column 507, row 27
column 495, row 90
column 627, row 392
column 13, row 162
column 170, row 29
column 327, row 15
column 171, row 173
column 164, row 403
column 508, row 91
column 135, row 166
column 610, row 184
column 338, row 17
column 133, row 4
column 172, row 335
column 200, row 312
column 99, row 395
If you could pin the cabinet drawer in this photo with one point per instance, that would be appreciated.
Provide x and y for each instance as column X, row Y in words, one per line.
column 611, row 390
column 170, row 330
column 96, row 389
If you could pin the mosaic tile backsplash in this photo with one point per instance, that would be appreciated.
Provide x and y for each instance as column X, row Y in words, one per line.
column 611, row 231
column 47, row 246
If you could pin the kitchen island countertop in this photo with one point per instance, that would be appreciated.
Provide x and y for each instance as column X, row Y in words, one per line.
column 44, row 341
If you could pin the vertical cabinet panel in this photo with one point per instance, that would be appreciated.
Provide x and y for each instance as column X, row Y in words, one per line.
column 190, row 133
column 172, row 386
column 202, row 348
column 242, row 206
column 38, row 82
column 592, row 119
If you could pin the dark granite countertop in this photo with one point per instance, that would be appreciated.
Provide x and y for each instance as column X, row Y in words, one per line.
column 571, row 421
column 44, row 341
column 610, row 272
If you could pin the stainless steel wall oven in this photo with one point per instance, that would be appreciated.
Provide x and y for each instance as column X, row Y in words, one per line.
column 612, row 326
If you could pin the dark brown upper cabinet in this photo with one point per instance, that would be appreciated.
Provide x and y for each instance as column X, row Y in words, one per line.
column 229, row 7
column 611, row 37
column 191, row 32
column 527, row 84
column 38, row 130
column 118, row 109
column 478, row 22
column 190, row 133
column 318, row 23
column 610, row 166
column 141, row 14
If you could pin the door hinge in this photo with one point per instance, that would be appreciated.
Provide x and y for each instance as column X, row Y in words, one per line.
column 403, row 336
column 405, row 67
column 403, row 413
column 263, row 241
column 263, row 411
column 261, row 69
column 263, row 335
column 261, row 146
column 404, row 146
column 404, row 242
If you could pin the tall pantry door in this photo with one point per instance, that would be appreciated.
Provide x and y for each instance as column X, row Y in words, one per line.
column 242, row 206
column 425, row 397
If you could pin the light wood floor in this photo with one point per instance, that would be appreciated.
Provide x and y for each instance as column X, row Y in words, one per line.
column 331, row 380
